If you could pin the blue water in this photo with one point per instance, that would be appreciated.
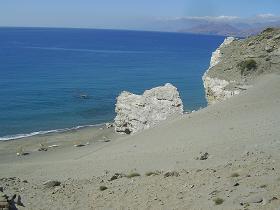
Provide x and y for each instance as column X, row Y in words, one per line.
column 44, row 71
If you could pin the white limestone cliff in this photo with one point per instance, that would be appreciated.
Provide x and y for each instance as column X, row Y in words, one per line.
column 139, row 112
column 215, row 87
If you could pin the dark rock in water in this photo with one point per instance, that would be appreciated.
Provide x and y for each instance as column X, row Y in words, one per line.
column 50, row 184
column 84, row 96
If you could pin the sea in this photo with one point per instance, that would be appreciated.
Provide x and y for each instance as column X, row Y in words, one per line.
column 57, row 79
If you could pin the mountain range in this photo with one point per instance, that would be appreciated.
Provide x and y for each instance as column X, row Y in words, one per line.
column 220, row 25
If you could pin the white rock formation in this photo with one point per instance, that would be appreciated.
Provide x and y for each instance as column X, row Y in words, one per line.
column 215, row 87
column 215, row 90
column 216, row 56
column 139, row 112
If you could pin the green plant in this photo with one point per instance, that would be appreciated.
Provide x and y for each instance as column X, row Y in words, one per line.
column 102, row 188
column 263, row 186
column 269, row 29
column 132, row 174
column 43, row 147
column 21, row 152
column 218, row 201
column 247, row 66
column 235, row 174
column 151, row 173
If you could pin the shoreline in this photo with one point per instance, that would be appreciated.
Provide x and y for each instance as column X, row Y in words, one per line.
column 63, row 130
column 42, row 133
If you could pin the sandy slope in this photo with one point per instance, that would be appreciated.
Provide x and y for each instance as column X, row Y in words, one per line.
column 241, row 135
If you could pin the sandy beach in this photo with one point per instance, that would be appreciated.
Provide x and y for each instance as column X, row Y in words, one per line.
column 225, row 154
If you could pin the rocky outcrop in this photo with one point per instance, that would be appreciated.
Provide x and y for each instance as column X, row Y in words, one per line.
column 236, row 63
column 217, row 55
column 215, row 90
column 139, row 112
column 215, row 87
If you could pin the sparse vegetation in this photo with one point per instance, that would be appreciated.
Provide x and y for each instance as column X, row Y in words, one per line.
column 21, row 152
column 246, row 205
column 235, row 174
column 218, row 201
column 102, row 188
column 43, row 147
column 78, row 144
column 132, row 174
column 263, row 186
column 152, row 173
column 171, row 173
column 247, row 66
column 267, row 30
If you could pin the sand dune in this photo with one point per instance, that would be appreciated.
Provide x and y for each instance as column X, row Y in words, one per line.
column 241, row 136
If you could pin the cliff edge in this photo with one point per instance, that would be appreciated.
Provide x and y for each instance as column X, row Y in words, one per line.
column 236, row 63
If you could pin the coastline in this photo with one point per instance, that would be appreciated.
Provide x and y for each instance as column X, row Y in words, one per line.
column 224, row 156
column 35, row 106
column 236, row 145
column 35, row 133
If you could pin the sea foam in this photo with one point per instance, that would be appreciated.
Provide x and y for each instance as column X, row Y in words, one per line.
column 20, row 136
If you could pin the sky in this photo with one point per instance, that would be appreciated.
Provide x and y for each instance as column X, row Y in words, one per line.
column 124, row 14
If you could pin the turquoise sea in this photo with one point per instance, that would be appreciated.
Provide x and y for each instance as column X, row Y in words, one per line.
column 53, row 79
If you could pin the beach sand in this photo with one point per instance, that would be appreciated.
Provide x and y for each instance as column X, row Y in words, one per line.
column 240, row 170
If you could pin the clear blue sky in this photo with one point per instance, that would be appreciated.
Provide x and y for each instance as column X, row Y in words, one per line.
column 122, row 13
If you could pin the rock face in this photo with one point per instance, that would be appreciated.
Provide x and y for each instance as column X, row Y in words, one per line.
column 236, row 63
column 215, row 87
column 139, row 112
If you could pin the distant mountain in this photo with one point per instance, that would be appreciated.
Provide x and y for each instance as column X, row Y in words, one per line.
column 220, row 25
column 214, row 29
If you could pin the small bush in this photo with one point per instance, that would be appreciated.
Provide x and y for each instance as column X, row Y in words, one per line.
column 43, row 147
column 151, row 173
column 133, row 174
column 102, row 188
column 21, row 152
column 235, row 174
column 171, row 173
column 218, row 201
column 247, row 66
column 267, row 30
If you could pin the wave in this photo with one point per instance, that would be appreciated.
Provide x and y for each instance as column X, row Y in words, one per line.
column 86, row 50
column 20, row 136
